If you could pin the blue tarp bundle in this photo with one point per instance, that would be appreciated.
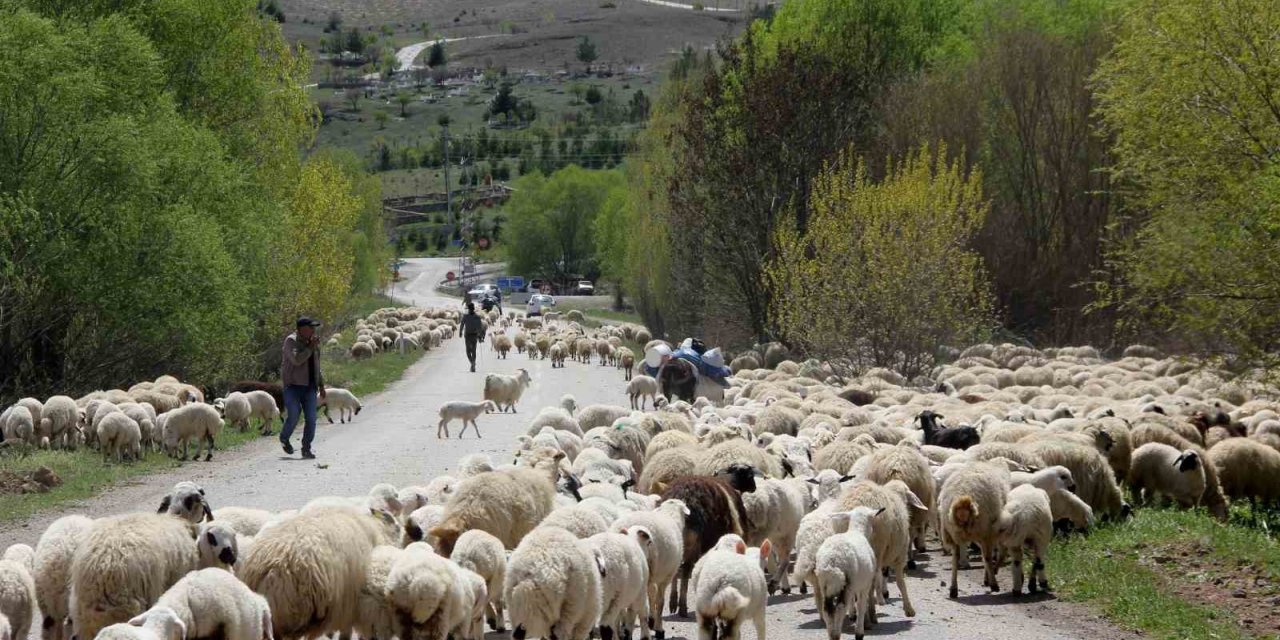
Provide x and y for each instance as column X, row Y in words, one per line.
column 717, row 374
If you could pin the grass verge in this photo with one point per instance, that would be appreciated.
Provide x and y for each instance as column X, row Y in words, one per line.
column 1139, row 573
column 616, row 316
column 84, row 472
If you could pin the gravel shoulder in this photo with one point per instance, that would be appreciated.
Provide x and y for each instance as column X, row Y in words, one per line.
column 393, row 440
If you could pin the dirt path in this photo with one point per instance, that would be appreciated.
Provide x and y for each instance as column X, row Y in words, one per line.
column 393, row 440
column 406, row 55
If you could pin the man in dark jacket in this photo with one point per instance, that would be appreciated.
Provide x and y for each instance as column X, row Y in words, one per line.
column 301, row 379
column 472, row 331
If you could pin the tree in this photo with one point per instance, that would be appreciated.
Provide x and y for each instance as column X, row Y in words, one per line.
column 381, row 118
column 586, row 51
column 593, row 95
column 353, row 96
column 892, row 261
column 443, row 120
column 436, row 56
column 1197, row 136
column 355, row 42
column 638, row 109
column 334, row 25
column 551, row 221
column 403, row 99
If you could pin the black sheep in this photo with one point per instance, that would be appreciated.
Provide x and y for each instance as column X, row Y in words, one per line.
column 949, row 437
column 715, row 509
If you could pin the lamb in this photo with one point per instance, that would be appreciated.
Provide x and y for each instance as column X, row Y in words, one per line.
column 213, row 602
column 1159, row 469
column 347, row 404
column 624, row 579
column 961, row 437
column 465, row 411
column 891, row 535
column 846, row 572
column 641, row 387
column 311, row 567
column 483, row 554
column 970, row 502
column 52, row 569
column 1095, row 481
column 187, row 501
column 473, row 465
column 506, row 390
column 716, row 509
column 429, row 595
column 552, row 588
column 263, row 407
column 236, row 410
column 194, row 421
column 217, row 546
column 729, row 587
column 507, row 504
column 558, row 352
column 502, row 344
column 17, row 595
column 776, row 506
column 600, row 415
column 120, row 435
column 376, row 618
column 160, row 624
column 1026, row 521
column 124, row 564
column 244, row 521
column 664, row 553
column 419, row 522
column 1247, row 469
column 273, row 389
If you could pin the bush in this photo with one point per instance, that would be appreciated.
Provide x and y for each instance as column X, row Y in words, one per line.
column 887, row 263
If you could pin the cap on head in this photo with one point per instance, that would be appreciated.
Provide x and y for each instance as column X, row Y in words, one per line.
column 307, row 322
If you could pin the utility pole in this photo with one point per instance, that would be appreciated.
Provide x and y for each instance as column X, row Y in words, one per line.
column 448, row 203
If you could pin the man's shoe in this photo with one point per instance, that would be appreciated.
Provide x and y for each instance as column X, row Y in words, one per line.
column 473, row 368
column 288, row 448
column 308, row 455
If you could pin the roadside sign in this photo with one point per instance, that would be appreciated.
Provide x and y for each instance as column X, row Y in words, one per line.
column 509, row 282
column 450, row 276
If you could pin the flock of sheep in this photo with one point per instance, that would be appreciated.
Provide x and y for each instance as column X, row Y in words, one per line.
column 610, row 517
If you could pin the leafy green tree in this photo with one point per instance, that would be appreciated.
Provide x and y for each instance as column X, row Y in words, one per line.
column 1190, row 93
column 381, row 117
column 334, row 24
column 436, row 57
column 882, row 274
column 552, row 221
column 404, row 99
column 355, row 41
column 593, row 95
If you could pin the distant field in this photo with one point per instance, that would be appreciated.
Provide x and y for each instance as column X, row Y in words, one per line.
column 627, row 32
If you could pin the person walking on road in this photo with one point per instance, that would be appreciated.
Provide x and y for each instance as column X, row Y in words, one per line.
column 472, row 331
column 300, row 376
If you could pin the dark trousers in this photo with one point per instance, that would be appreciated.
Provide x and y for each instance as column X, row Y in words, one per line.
column 471, row 340
column 299, row 399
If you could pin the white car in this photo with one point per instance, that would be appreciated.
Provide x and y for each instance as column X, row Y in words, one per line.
column 538, row 304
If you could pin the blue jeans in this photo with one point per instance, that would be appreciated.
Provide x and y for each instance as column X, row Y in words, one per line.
column 299, row 398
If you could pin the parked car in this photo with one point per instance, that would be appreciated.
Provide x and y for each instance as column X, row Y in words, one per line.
column 538, row 304
column 536, row 285
column 585, row 288
column 479, row 292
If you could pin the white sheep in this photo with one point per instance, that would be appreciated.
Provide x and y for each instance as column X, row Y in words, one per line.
column 22, row 554
column 186, row 500
column 552, row 588
column 218, row 546
column 376, row 617
column 124, row 564
column 264, row 409
column 557, row 418
column 507, row 503
column 52, row 570
column 577, row 519
column 428, row 594
column 474, row 464
column 237, row 410
column 641, row 387
column 465, row 411
column 213, row 602
column 17, row 596
column 775, row 509
column 506, row 390
column 160, row 624
column 244, row 521
column 1026, row 521
column 194, row 421
column 120, row 435
column 729, row 587
column 1159, row 469
column 568, row 403
column 970, row 504
column 347, row 404
column 419, row 522
column 664, row 552
column 624, row 579
column 59, row 420
column 17, row 424
column 310, row 568
column 845, row 572
column 483, row 554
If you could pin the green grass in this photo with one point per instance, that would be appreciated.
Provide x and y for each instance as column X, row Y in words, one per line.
column 616, row 316
column 84, row 472
column 1105, row 570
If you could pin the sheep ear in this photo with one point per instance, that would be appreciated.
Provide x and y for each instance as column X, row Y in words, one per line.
column 787, row 471
column 881, row 510
column 813, row 481
column 766, row 548
column 559, row 456
column 211, row 539
column 740, row 548
column 208, row 511
column 164, row 504
column 138, row 620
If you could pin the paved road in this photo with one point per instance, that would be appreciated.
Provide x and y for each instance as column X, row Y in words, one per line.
column 406, row 55
column 393, row 440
